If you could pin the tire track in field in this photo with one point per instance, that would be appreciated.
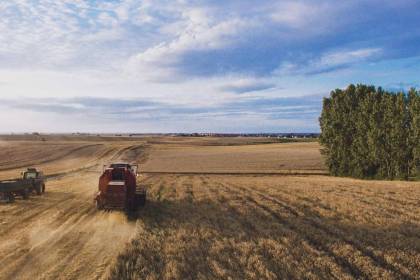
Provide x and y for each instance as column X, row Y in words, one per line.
column 367, row 206
column 232, row 195
column 36, row 248
column 51, row 159
column 346, row 267
column 249, row 199
column 276, row 192
column 231, row 200
column 61, row 235
column 314, row 224
column 337, row 234
column 118, row 154
column 223, row 201
column 394, row 207
column 236, row 248
column 19, row 224
column 268, row 264
column 380, row 261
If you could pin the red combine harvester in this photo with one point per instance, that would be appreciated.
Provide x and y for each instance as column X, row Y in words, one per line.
column 118, row 188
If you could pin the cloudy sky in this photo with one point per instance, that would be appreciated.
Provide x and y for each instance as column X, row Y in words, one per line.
column 204, row 66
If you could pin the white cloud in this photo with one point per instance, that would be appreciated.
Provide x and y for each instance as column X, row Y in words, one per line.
column 309, row 18
column 51, row 34
column 295, row 14
column 112, row 34
column 338, row 58
column 200, row 32
column 246, row 85
column 329, row 61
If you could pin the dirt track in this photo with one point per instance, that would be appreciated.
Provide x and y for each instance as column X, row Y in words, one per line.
column 60, row 235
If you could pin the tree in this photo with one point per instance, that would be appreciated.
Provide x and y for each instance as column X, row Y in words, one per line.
column 371, row 133
column 414, row 131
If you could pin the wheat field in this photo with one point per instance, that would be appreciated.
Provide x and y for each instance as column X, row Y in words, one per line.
column 292, row 227
column 217, row 209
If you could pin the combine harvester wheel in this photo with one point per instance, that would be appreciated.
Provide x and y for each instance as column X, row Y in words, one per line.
column 141, row 199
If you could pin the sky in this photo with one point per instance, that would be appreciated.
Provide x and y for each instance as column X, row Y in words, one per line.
column 239, row 66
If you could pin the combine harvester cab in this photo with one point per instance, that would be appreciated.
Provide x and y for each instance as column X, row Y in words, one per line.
column 118, row 188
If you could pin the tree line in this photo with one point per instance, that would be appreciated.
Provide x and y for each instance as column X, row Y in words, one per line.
column 367, row 132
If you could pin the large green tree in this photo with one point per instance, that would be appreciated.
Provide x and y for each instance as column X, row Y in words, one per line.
column 371, row 133
column 414, row 130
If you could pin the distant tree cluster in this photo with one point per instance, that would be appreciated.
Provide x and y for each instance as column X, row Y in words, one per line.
column 371, row 133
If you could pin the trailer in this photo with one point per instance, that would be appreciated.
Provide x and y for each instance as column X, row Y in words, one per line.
column 32, row 181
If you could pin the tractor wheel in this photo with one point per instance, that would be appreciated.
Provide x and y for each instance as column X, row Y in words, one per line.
column 38, row 189
column 25, row 193
column 43, row 188
column 10, row 197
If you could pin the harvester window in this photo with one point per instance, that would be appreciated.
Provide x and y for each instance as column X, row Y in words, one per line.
column 118, row 175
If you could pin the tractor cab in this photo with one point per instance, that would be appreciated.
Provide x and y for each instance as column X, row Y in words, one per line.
column 32, row 173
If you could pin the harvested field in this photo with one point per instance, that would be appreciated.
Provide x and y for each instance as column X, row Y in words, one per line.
column 61, row 235
column 296, row 227
column 203, row 225
column 235, row 158
column 21, row 154
column 58, row 157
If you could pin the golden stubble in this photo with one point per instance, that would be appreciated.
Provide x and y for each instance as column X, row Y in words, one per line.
column 203, row 226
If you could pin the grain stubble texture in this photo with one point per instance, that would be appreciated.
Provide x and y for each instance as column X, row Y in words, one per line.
column 206, row 226
column 293, row 227
column 61, row 235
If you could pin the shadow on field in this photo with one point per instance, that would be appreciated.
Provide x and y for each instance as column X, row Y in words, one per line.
column 187, row 233
column 48, row 198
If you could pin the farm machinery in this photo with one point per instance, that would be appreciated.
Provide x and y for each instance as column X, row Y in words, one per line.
column 118, row 188
column 32, row 181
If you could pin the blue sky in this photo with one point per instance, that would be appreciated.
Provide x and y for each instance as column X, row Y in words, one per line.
column 195, row 66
